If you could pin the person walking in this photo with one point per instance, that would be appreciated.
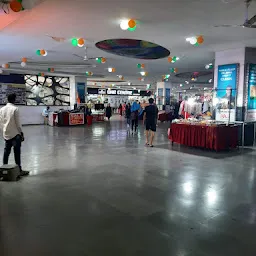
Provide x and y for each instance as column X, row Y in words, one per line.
column 128, row 115
column 135, row 116
column 12, row 132
column 45, row 114
column 120, row 108
column 149, row 119
column 108, row 112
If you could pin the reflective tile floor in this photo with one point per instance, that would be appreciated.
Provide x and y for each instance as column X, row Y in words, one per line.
column 96, row 191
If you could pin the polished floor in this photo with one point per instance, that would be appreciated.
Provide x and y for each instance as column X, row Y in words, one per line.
column 96, row 191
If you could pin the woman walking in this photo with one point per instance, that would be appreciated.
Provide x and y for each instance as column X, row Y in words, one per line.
column 108, row 112
column 128, row 115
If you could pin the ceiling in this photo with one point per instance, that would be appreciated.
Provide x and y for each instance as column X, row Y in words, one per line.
column 167, row 23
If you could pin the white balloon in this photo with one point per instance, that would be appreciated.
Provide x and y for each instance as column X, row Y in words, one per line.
column 110, row 70
column 80, row 45
column 207, row 66
column 23, row 64
column 193, row 40
column 45, row 54
column 1, row 71
column 124, row 24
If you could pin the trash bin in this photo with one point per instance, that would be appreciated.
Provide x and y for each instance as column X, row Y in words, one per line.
column 89, row 120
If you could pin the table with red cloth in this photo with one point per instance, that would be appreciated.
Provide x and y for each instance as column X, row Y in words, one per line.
column 213, row 137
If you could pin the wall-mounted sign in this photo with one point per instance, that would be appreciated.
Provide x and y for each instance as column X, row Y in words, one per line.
column 226, row 92
column 111, row 92
column 118, row 92
column 102, row 91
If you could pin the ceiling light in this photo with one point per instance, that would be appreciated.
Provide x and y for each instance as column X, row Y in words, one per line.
column 187, row 82
column 210, row 81
column 188, row 39
column 177, row 58
column 134, row 88
column 143, row 73
column 124, row 24
column 129, row 83
column 181, row 85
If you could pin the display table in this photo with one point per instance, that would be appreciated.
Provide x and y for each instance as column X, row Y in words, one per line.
column 53, row 119
column 210, row 137
column 98, row 115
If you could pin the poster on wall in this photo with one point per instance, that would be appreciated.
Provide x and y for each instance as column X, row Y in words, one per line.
column 226, row 92
column 80, row 93
column 18, row 89
column 251, row 98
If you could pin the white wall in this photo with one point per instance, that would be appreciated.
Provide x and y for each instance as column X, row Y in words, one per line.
column 33, row 114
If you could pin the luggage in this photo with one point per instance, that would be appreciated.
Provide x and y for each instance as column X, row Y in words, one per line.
column 9, row 172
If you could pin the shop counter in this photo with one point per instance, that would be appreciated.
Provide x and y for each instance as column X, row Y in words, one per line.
column 70, row 119
column 210, row 137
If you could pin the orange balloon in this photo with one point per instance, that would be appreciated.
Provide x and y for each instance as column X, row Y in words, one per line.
column 103, row 60
column 175, row 70
column 15, row 6
column 131, row 23
column 42, row 52
column 169, row 59
column 52, row 69
column 24, row 60
column 80, row 41
column 142, row 65
column 200, row 39
column 6, row 65
column 42, row 74
column 113, row 70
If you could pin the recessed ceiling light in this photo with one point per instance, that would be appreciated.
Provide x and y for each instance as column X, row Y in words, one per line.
column 129, row 83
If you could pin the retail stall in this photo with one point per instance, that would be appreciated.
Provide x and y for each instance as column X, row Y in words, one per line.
column 206, row 134
column 66, row 118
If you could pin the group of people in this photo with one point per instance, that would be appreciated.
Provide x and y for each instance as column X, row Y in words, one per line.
column 148, row 112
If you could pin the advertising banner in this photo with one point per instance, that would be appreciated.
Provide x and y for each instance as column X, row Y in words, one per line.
column 251, row 100
column 80, row 92
column 226, row 92
column 76, row 118
column 167, row 96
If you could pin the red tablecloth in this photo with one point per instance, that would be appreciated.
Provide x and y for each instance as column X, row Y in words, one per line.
column 210, row 137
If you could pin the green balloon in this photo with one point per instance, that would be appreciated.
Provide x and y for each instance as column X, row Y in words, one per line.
column 139, row 65
column 174, row 58
column 98, row 60
column 49, row 69
column 20, row 1
column 38, row 52
column 132, row 29
column 74, row 42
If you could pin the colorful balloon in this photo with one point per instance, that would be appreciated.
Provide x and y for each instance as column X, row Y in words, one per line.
column 170, row 59
column 24, row 59
column 200, row 40
column 103, row 60
column 131, row 23
column 15, row 6
column 38, row 52
column 80, row 42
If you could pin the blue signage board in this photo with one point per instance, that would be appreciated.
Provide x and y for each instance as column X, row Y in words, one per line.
column 80, row 92
column 252, row 87
column 167, row 96
column 227, row 83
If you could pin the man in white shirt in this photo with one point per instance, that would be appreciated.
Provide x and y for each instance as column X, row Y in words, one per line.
column 12, row 131
column 45, row 114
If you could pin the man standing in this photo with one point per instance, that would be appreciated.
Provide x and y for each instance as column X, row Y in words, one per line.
column 149, row 119
column 46, row 114
column 12, row 132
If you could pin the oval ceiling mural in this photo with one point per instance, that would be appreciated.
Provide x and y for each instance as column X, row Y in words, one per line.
column 132, row 48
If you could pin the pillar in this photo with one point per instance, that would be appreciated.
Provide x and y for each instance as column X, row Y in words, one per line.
column 78, row 91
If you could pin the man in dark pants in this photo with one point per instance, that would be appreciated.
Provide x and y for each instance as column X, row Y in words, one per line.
column 12, row 131
column 149, row 119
